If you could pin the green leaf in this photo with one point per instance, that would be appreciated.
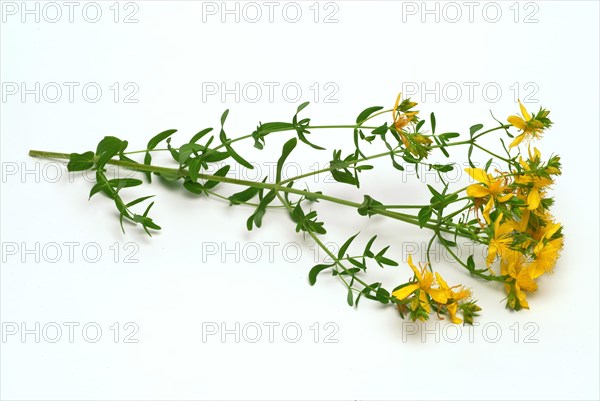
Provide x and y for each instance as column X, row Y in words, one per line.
column 152, row 143
column 243, row 196
column 432, row 117
column 226, row 143
column 383, row 295
column 107, row 148
column 301, row 107
column 448, row 135
column 367, row 206
column 109, row 144
column 193, row 187
column 366, row 113
column 224, row 116
column 80, row 162
column 314, row 272
column 303, row 138
column 261, row 209
column 350, row 297
column 367, row 252
column 436, row 194
column 213, row 156
column 443, row 168
column 139, row 200
column 424, row 215
column 222, row 172
column 267, row 128
column 199, row 135
column 194, row 166
column 288, row 147
column 186, row 150
column 344, row 177
column 470, row 263
column 344, row 247
column 475, row 128
column 124, row 182
column 382, row 129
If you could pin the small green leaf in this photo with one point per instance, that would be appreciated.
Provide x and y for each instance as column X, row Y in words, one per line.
column 107, row 148
column 222, row 172
column 224, row 116
column 432, row 117
column 366, row 113
column 448, row 135
column 344, row 247
column 152, row 143
column 475, row 128
column 139, row 200
column 314, row 272
column 243, row 196
column 424, row 215
column 350, row 297
column 381, row 130
column 193, row 187
column 186, row 150
column 80, row 162
column 443, row 168
column 301, row 107
column 199, row 135
column 288, row 147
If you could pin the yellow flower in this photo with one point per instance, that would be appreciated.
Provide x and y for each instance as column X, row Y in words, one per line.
column 535, row 182
column 402, row 117
column 547, row 250
column 521, row 280
column 455, row 296
column 493, row 187
column 501, row 241
column 530, row 126
column 425, row 281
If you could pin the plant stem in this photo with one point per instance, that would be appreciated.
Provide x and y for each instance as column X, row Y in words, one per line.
column 262, row 185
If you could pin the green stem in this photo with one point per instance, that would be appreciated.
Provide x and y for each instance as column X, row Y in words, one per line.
column 263, row 185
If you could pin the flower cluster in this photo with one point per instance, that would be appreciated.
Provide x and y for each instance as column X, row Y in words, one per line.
column 521, row 231
column 429, row 290
column 513, row 216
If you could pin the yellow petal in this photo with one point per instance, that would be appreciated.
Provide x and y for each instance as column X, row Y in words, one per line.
column 517, row 141
column 439, row 295
column 492, row 253
column 478, row 174
column 441, row 281
column 526, row 115
column 477, row 191
column 487, row 210
column 452, row 309
column 396, row 106
column 536, row 269
column 517, row 122
column 533, row 199
column 524, row 221
column 405, row 291
column 504, row 198
column 424, row 302
column 414, row 268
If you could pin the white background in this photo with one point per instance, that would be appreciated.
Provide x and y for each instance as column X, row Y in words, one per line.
column 176, row 287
